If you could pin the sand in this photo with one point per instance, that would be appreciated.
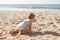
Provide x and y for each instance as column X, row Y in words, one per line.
column 45, row 27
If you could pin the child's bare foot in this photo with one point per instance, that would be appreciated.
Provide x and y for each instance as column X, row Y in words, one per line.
column 6, row 32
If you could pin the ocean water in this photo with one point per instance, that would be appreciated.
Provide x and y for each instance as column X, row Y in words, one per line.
column 30, row 7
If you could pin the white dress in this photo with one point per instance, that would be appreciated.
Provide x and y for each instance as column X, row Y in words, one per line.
column 23, row 24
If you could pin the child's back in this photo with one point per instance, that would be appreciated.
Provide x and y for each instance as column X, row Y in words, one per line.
column 23, row 24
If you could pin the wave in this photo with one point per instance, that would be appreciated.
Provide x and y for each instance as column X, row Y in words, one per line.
column 29, row 9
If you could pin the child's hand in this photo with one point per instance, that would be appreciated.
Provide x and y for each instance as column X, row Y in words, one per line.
column 18, row 34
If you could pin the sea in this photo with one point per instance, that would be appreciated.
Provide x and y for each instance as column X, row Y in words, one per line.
column 30, row 7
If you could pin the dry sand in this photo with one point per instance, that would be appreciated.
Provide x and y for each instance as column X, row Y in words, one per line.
column 46, row 26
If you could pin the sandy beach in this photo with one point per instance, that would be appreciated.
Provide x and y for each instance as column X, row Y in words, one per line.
column 45, row 27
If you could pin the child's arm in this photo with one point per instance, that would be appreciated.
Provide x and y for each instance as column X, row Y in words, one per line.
column 30, row 24
column 18, row 34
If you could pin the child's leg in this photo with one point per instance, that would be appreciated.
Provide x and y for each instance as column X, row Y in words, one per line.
column 13, row 31
column 8, row 31
column 25, row 30
column 30, row 29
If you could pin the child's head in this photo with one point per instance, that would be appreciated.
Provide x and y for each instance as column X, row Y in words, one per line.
column 31, row 16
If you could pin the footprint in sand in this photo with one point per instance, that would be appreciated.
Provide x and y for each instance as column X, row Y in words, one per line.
column 50, row 23
column 58, row 22
column 0, row 22
column 43, row 25
column 0, row 34
column 1, row 28
column 54, row 26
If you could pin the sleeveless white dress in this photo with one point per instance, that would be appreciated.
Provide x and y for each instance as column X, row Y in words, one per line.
column 23, row 24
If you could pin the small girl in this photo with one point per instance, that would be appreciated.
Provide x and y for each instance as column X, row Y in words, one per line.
column 24, row 26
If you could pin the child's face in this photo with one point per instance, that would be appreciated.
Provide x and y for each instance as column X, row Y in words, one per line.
column 33, row 20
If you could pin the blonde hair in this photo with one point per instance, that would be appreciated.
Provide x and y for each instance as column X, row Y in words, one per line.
column 31, row 16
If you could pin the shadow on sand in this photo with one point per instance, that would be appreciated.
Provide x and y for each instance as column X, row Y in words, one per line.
column 33, row 34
